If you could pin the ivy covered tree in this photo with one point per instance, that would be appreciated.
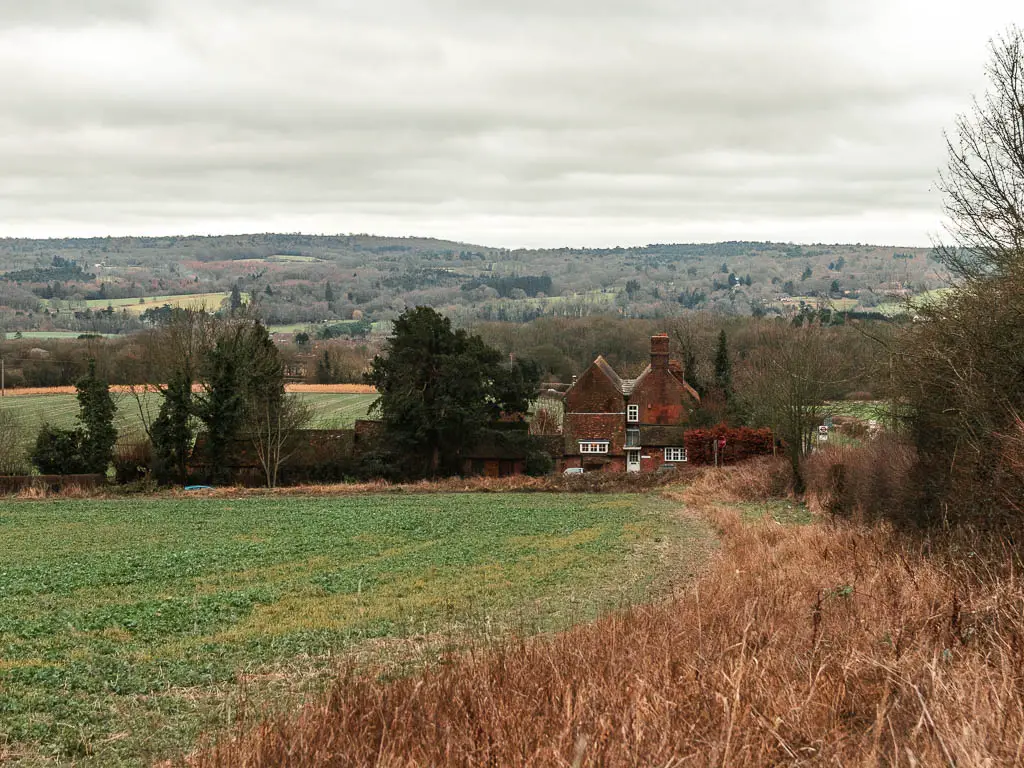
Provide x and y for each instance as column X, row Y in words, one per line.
column 723, row 366
column 96, row 412
column 440, row 388
column 88, row 448
column 171, row 431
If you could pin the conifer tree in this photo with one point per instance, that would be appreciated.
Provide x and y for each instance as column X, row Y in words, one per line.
column 723, row 366
column 97, row 411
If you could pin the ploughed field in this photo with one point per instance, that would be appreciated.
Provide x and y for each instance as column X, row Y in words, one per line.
column 129, row 627
column 330, row 411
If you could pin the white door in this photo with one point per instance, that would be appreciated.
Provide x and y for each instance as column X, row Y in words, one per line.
column 632, row 461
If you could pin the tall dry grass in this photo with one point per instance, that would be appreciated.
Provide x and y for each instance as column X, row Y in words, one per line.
column 825, row 644
column 868, row 482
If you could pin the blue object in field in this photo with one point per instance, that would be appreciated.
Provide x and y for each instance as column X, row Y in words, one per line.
column 198, row 487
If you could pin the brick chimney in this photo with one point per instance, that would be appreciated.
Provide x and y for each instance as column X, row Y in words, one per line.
column 659, row 351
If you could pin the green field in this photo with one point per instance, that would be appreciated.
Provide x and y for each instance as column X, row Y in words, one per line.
column 837, row 305
column 864, row 410
column 209, row 301
column 55, row 334
column 294, row 328
column 127, row 626
column 330, row 411
column 893, row 308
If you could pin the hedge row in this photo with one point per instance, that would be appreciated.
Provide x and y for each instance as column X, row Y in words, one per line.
column 740, row 443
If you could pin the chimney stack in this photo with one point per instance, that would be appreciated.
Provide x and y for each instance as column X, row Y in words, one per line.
column 659, row 351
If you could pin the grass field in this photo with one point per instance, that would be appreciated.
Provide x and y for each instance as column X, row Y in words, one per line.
column 136, row 306
column 55, row 334
column 893, row 308
column 126, row 627
column 859, row 409
column 330, row 411
column 294, row 328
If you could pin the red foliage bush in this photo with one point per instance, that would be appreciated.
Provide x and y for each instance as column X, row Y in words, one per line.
column 740, row 443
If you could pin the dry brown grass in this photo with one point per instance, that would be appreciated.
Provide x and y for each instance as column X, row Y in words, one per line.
column 592, row 483
column 596, row 482
column 838, row 645
column 869, row 482
column 332, row 389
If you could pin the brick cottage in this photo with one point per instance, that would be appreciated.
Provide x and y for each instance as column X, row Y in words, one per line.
column 628, row 425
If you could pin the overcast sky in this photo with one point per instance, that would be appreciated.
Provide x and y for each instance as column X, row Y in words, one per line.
column 526, row 123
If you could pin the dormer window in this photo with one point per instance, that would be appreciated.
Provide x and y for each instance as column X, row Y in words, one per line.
column 594, row 446
column 632, row 413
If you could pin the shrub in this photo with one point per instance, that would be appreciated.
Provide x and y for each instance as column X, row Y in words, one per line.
column 132, row 461
column 59, row 451
column 741, row 443
column 539, row 463
column 869, row 482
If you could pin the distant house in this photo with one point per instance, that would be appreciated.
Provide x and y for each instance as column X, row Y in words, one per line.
column 614, row 424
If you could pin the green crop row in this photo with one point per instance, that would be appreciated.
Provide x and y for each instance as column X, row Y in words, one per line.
column 126, row 626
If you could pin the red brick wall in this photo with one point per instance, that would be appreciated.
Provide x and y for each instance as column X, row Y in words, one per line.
column 583, row 426
column 662, row 399
column 594, row 393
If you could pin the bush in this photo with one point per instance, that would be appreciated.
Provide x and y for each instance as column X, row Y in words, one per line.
column 741, row 443
column 539, row 463
column 872, row 481
column 60, row 451
column 132, row 462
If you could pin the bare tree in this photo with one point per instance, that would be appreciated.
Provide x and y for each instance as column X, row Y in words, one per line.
column 273, row 423
column 786, row 381
column 960, row 367
column 984, row 179
column 173, row 352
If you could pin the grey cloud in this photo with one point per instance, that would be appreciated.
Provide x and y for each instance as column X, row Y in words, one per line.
column 62, row 13
column 186, row 114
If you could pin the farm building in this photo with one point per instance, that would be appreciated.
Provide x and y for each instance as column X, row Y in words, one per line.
column 628, row 425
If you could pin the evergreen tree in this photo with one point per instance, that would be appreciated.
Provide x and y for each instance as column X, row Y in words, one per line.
column 328, row 294
column 171, row 431
column 88, row 448
column 324, row 371
column 59, row 451
column 243, row 366
column 440, row 388
column 96, row 412
column 236, row 298
column 723, row 366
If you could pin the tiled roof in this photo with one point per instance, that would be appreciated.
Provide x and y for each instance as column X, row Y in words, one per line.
column 608, row 371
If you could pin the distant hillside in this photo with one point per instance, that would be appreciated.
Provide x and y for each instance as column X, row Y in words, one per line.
column 84, row 284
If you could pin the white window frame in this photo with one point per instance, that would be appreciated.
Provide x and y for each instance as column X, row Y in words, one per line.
column 593, row 446
column 632, row 414
column 675, row 454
